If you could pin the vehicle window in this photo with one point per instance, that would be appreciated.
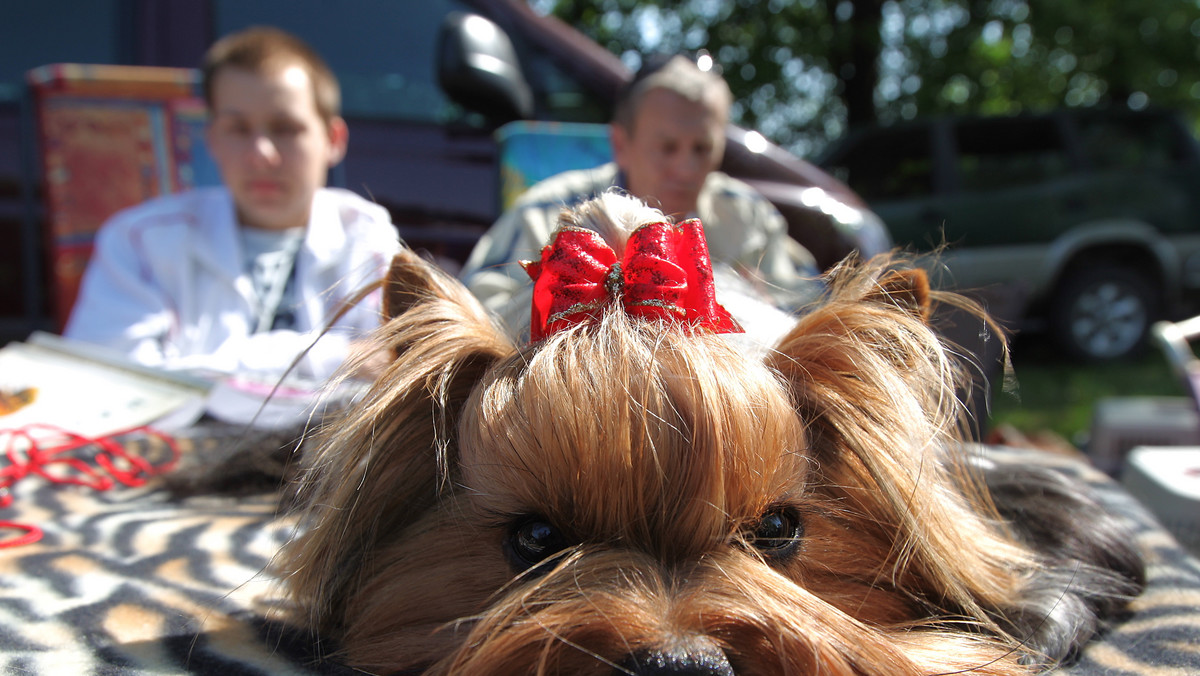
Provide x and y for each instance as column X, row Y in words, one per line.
column 1129, row 142
column 997, row 154
column 893, row 165
column 557, row 95
column 34, row 34
column 382, row 51
column 384, row 54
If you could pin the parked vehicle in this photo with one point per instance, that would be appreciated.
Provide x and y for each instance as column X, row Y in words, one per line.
column 425, row 86
column 1095, row 214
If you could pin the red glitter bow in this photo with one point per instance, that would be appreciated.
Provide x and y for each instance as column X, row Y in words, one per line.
column 665, row 274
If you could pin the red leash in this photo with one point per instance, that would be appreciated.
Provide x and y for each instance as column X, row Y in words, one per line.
column 101, row 464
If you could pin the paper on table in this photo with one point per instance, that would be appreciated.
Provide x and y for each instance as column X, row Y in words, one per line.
column 88, row 393
column 264, row 402
column 90, row 390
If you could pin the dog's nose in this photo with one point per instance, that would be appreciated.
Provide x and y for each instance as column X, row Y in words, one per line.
column 688, row 662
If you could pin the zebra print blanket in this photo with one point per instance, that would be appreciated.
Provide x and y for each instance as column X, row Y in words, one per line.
column 138, row 581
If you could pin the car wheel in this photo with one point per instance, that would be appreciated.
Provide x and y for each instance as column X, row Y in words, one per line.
column 1103, row 313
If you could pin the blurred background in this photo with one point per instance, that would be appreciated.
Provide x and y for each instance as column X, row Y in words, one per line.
column 805, row 72
column 812, row 75
column 1042, row 153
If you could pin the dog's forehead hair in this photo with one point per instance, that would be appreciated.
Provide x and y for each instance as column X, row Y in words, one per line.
column 622, row 436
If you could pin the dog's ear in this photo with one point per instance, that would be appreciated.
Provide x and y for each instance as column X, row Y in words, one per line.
column 411, row 280
column 380, row 468
column 906, row 289
column 867, row 348
column 877, row 389
column 413, row 283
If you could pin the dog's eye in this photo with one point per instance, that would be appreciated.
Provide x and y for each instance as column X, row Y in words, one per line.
column 532, row 541
column 778, row 533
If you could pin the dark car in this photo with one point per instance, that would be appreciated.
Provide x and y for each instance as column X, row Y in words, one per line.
column 425, row 86
column 1093, row 214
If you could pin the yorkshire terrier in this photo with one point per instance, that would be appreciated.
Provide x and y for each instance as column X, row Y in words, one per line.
column 634, row 492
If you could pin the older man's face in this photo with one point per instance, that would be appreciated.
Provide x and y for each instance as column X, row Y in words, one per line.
column 670, row 150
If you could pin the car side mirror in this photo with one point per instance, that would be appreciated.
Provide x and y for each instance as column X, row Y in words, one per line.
column 479, row 70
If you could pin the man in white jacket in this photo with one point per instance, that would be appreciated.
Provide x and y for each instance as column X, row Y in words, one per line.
column 247, row 277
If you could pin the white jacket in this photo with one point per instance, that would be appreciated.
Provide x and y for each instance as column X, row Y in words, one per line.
column 165, row 285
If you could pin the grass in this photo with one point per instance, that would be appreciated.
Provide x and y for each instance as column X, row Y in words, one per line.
column 1058, row 395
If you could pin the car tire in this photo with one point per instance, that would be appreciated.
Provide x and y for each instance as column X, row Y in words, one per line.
column 1103, row 312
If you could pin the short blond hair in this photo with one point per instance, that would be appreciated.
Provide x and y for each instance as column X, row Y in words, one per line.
column 259, row 47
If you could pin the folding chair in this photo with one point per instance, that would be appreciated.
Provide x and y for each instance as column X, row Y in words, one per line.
column 532, row 150
column 1174, row 338
column 110, row 137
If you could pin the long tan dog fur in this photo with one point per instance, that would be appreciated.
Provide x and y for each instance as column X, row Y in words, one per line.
column 631, row 496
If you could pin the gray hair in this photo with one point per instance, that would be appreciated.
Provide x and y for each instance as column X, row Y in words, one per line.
column 681, row 76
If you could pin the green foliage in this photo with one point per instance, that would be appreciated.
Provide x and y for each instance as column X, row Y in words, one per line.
column 1061, row 396
column 803, row 71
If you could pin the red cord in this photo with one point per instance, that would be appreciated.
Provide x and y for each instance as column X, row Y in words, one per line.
column 34, row 448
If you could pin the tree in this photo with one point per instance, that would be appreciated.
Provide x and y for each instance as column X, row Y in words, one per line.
column 804, row 71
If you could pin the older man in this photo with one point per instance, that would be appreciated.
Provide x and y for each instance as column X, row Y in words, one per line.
column 667, row 138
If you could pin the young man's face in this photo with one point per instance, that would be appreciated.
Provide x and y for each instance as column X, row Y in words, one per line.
column 673, row 146
column 271, row 146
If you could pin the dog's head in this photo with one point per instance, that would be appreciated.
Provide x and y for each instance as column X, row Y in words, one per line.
column 633, row 495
